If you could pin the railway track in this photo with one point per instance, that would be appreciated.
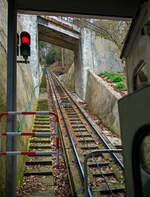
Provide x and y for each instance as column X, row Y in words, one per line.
column 81, row 136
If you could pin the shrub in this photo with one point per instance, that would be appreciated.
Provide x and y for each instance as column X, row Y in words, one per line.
column 107, row 75
column 117, row 78
column 120, row 85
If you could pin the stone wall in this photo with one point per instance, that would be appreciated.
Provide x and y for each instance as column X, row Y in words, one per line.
column 102, row 100
column 25, row 86
column 106, row 56
column 69, row 78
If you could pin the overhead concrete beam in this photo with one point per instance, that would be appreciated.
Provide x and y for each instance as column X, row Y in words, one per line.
column 57, row 28
column 56, row 41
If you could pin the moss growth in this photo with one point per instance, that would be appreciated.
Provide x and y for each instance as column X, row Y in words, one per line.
column 42, row 105
column 43, row 81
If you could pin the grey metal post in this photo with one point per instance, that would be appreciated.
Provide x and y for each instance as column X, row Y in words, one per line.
column 11, row 175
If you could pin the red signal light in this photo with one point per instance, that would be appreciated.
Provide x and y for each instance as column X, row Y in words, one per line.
column 25, row 44
column 25, row 40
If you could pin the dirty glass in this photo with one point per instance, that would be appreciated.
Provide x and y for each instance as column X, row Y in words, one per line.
column 145, row 154
column 140, row 78
column 145, row 166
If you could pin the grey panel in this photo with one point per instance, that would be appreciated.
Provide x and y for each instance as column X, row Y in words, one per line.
column 112, row 8
column 134, row 111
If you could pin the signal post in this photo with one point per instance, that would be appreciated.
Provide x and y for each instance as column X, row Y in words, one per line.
column 11, row 162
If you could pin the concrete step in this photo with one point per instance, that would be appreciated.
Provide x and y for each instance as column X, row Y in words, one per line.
column 40, row 130
column 30, row 163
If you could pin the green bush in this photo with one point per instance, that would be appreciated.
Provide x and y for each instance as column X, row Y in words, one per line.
column 120, row 85
column 117, row 78
column 112, row 76
column 108, row 75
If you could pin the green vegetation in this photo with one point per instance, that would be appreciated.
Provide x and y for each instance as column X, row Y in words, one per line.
column 117, row 78
column 49, row 53
column 114, row 78
column 43, row 81
column 108, row 75
column 120, row 85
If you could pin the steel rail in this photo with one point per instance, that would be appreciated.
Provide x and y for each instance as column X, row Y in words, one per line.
column 71, row 140
column 98, row 134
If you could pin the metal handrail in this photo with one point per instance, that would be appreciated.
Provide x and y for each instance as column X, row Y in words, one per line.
column 32, row 133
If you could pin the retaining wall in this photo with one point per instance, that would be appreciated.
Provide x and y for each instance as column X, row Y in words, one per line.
column 102, row 100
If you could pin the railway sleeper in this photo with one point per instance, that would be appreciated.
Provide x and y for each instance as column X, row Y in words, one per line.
column 80, row 130
column 74, row 119
column 86, row 141
column 94, row 165
column 78, row 126
column 89, row 147
column 83, row 135
column 76, row 122
column 120, row 191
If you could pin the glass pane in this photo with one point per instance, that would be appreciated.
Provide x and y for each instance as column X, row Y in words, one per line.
column 145, row 166
column 141, row 78
column 145, row 154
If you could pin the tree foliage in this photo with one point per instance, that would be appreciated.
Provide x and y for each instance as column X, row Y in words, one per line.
column 117, row 29
column 49, row 53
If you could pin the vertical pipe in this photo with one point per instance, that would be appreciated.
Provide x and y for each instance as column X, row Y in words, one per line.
column 11, row 175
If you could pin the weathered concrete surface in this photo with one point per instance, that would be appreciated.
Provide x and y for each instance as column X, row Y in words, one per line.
column 106, row 56
column 102, row 100
column 57, row 33
column 83, row 60
column 29, row 23
column 69, row 78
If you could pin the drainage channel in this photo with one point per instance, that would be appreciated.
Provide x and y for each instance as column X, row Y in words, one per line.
column 105, row 172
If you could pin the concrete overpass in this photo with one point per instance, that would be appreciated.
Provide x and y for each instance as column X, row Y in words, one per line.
column 64, row 34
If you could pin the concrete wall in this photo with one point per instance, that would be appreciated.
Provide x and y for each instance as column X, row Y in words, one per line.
column 106, row 56
column 83, row 60
column 69, row 78
column 102, row 100
column 29, row 24
column 25, row 86
column 94, row 53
